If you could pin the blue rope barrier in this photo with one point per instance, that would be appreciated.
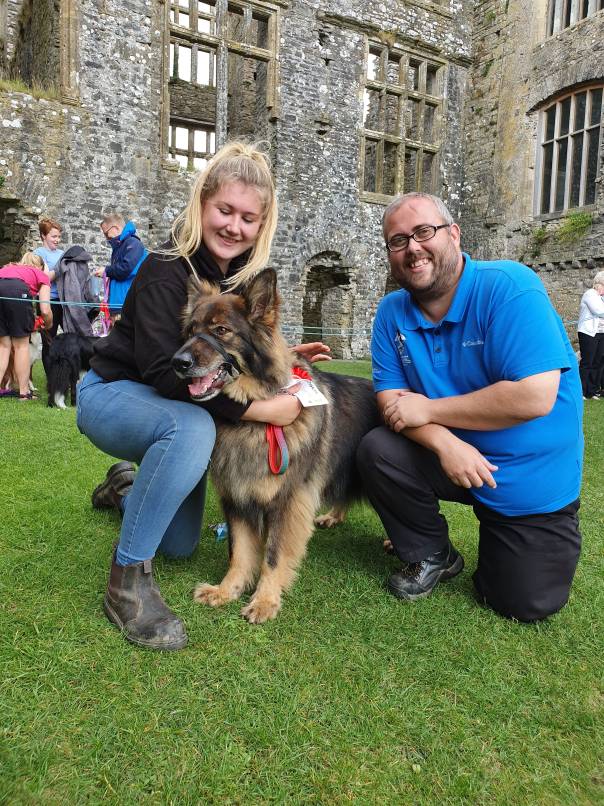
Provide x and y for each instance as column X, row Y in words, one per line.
column 60, row 302
column 288, row 328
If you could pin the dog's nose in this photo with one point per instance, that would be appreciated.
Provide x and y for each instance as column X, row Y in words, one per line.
column 181, row 362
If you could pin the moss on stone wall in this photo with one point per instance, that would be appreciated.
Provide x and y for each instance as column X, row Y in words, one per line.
column 573, row 228
column 16, row 85
column 538, row 239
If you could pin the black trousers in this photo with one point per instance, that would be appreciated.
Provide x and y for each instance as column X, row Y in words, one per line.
column 592, row 362
column 526, row 564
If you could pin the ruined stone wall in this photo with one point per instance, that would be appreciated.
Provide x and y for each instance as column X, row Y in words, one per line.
column 516, row 69
column 318, row 143
column 74, row 161
column 102, row 146
column 10, row 15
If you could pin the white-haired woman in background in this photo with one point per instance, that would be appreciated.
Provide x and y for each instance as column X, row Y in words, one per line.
column 591, row 337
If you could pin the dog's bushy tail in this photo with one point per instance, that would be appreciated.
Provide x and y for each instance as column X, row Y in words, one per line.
column 63, row 371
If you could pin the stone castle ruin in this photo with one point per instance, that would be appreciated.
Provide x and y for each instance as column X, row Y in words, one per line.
column 496, row 105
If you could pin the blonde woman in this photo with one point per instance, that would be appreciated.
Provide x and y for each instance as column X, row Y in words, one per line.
column 23, row 280
column 591, row 338
column 132, row 405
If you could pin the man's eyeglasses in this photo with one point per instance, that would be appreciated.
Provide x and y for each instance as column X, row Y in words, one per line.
column 399, row 242
column 107, row 231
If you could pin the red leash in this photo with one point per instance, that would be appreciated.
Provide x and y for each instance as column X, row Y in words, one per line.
column 278, row 455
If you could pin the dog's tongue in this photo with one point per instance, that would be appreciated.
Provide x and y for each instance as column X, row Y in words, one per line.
column 201, row 385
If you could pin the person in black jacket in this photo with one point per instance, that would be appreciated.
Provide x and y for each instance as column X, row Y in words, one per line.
column 133, row 406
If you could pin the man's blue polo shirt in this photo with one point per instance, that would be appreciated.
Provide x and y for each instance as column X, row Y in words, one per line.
column 500, row 326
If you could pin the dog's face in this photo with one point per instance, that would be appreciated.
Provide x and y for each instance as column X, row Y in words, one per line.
column 223, row 334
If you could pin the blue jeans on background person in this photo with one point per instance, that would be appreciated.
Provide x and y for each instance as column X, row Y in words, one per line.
column 171, row 441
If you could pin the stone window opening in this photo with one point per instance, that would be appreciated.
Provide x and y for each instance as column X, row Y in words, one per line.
column 35, row 58
column 403, row 100
column 564, row 13
column 568, row 158
column 222, row 74
column 40, row 46
column 190, row 144
column 327, row 304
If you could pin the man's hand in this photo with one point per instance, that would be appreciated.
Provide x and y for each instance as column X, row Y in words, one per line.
column 464, row 465
column 99, row 272
column 313, row 351
column 407, row 410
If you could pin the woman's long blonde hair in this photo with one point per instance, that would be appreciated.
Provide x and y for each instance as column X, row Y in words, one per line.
column 30, row 259
column 236, row 161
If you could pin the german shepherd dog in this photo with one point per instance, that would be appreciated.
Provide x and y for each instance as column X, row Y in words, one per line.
column 234, row 345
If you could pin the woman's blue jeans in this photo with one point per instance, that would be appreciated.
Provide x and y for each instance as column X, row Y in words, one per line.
column 171, row 441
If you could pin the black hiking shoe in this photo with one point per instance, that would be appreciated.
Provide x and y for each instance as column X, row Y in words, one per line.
column 117, row 484
column 418, row 579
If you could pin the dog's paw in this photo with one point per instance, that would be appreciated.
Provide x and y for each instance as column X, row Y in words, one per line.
column 212, row 595
column 329, row 519
column 260, row 610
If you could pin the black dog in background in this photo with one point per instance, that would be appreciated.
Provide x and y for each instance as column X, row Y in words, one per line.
column 69, row 356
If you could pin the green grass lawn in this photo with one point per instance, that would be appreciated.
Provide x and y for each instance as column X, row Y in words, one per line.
column 350, row 696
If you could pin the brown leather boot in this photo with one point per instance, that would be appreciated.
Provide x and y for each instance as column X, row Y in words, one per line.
column 134, row 604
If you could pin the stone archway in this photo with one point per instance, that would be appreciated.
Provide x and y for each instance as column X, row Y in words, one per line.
column 16, row 226
column 327, row 305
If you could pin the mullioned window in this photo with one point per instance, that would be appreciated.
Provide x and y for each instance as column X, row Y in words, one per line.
column 569, row 151
column 564, row 13
column 222, row 75
column 402, row 122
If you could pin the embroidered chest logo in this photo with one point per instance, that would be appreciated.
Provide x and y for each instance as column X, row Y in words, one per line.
column 401, row 348
column 472, row 343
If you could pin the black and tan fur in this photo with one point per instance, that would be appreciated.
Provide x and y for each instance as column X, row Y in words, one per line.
column 270, row 517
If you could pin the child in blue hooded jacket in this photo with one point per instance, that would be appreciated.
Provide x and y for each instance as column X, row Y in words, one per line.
column 127, row 254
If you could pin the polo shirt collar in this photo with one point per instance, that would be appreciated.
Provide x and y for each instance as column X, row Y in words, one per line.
column 414, row 319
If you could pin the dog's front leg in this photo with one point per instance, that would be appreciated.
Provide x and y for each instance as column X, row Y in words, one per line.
column 286, row 543
column 246, row 553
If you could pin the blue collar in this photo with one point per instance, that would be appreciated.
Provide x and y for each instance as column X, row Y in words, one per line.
column 414, row 319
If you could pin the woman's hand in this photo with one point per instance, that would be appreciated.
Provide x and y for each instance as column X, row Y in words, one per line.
column 313, row 351
column 279, row 410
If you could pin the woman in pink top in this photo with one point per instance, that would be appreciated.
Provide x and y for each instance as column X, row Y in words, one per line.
column 21, row 281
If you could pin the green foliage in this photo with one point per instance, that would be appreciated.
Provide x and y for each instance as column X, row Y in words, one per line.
column 490, row 17
column 487, row 68
column 2, row 181
column 349, row 697
column 574, row 227
column 36, row 90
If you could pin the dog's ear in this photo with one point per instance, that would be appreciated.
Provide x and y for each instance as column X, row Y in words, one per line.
column 196, row 289
column 261, row 297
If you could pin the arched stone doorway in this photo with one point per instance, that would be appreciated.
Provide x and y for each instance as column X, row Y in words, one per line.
column 16, row 226
column 328, row 300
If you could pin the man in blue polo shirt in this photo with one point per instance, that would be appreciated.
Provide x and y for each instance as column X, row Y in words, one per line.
column 479, row 390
